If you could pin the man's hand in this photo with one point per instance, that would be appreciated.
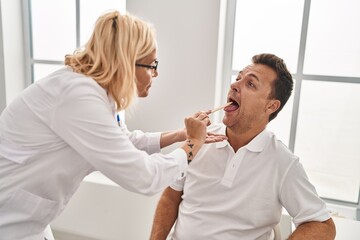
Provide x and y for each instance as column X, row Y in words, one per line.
column 214, row 137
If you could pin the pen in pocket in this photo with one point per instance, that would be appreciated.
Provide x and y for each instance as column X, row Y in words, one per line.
column 118, row 120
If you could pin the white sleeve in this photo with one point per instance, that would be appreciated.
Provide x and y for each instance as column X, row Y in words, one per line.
column 178, row 185
column 148, row 142
column 299, row 197
column 84, row 120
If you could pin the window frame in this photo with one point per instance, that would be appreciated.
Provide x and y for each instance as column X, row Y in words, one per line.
column 2, row 68
column 28, row 41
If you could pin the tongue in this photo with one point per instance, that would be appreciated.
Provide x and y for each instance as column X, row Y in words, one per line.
column 231, row 108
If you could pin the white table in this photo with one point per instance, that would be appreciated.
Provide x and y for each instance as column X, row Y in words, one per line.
column 347, row 229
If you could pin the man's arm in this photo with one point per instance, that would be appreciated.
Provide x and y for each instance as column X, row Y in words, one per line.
column 315, row 231
column 165, row 214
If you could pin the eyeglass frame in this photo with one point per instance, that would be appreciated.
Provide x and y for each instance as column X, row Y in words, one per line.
column 154, row 67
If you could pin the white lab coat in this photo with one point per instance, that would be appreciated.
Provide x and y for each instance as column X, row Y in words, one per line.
column 55, row 133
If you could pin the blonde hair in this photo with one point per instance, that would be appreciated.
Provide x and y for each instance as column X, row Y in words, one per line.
column 109, row 57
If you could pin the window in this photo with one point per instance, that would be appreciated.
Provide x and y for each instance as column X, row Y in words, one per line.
column 56, row 28
column 320, row 123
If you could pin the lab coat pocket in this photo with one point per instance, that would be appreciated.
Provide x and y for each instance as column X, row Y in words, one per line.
column 26, row 214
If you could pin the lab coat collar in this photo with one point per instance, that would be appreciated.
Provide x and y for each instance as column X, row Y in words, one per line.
column 112, row 104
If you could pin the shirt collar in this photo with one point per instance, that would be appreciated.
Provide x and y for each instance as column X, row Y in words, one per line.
column 257, row 144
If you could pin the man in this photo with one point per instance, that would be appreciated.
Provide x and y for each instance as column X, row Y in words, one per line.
column 239, row 188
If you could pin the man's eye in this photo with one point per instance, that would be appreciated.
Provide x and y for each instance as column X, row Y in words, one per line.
column 250, row 83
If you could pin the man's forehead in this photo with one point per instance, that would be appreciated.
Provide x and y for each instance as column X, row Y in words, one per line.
column 260, row 71
column 249, row 68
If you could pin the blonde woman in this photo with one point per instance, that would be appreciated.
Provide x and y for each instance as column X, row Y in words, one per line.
column 63, row 127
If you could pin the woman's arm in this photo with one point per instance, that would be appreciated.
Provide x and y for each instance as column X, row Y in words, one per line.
column 171, row 137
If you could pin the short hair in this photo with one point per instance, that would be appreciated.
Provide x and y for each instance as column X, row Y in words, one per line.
column 116, row 44
column 283, row 84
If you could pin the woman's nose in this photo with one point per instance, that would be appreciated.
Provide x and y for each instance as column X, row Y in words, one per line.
column 155, row 73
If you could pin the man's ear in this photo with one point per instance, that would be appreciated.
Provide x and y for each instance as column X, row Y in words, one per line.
column 273, row 105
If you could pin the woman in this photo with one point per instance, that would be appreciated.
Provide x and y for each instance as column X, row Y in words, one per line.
column 63, row 127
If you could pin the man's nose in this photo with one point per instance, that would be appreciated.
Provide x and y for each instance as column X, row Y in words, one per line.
column 235, row 86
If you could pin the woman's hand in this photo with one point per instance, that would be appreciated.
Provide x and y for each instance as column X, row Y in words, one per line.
column 209, row 137
column 196, row 134
column 196, row 126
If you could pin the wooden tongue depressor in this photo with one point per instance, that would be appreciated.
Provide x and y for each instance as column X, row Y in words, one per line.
column 221, row 107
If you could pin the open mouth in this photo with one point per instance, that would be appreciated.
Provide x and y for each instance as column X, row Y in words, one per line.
column 232, row 107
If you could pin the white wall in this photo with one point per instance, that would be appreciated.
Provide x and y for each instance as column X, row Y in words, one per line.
column 188, row 40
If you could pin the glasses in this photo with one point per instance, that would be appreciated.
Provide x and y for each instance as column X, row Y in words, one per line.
column 153, row 67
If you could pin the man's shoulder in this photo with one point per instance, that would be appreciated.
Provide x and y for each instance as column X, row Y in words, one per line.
column 279, row 148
